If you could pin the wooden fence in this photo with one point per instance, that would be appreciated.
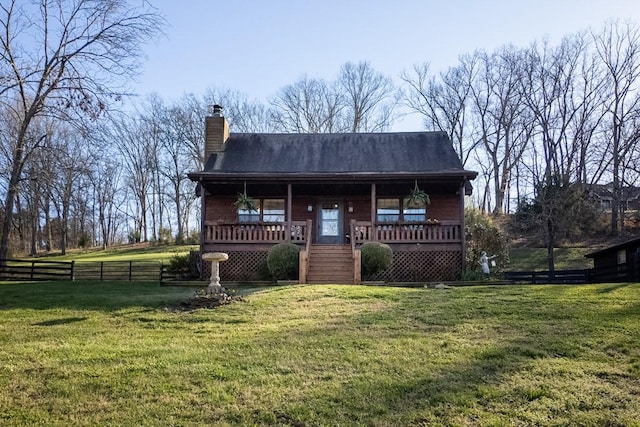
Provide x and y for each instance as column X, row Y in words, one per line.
column 36, row 270
column 558, row 276
column 142, row 271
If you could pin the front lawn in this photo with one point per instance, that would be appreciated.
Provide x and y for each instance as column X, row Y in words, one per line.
column 113, row 354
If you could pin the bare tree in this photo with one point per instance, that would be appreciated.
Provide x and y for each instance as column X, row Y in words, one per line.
column 244, row 115
column 174, row 162
column 500, row 118
column 138, row 148
column 618, row 47
column 370, row 97
column 69, row 154
column 589, row 103
column 309, row 106
column 61, row 57
column 444, row 100
column 105, row 179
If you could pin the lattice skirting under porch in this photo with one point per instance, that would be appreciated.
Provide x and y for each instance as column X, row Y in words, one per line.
column 242, row 266
column 424, row 266
column 408, row 266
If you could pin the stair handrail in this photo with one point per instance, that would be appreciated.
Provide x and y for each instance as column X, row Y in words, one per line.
column 303, row 270
column 355, row 254
column 352, row 235
column 308, row 236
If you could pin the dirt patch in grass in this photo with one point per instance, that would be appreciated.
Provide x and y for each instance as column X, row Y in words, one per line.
column 208, row 301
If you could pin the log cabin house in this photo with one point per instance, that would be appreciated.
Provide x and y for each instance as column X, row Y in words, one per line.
column 330, row 193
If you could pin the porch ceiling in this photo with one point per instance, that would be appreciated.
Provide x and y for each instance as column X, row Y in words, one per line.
column 329, row 188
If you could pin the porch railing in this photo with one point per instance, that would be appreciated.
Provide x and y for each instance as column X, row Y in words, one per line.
column 441, row 232
column 256, row 233
column 298, row 232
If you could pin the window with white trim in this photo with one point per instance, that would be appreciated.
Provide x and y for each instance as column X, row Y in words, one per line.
column 388, row 210
column 267, row 210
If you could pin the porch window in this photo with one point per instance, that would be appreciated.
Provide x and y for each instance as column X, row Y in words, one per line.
column 273, row 210
column 245, row 215
column 414, row 214
column 388, row 210
column 267, row 210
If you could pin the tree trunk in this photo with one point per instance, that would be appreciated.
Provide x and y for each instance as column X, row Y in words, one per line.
column 12, row 190
column 615, row 201
column 550, row 245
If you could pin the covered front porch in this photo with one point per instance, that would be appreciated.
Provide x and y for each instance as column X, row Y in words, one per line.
column 333, row 212
column 428, row 242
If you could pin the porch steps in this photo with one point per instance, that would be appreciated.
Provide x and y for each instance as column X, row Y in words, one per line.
column 330, row 264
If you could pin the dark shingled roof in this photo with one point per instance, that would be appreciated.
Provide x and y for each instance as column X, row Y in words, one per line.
column 421, row 153
column 633, row 243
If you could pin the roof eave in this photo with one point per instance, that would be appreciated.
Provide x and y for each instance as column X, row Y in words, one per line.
column 337, row 176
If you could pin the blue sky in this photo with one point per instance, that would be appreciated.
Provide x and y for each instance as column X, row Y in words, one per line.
column 256, row 47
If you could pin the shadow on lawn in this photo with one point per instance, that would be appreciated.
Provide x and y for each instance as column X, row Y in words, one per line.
column 101, row 296
column 61, row 321
column 612, row 288
column 479, row 342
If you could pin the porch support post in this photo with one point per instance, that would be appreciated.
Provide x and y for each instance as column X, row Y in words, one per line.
column 373, row 212
column 203, row 217
column 463, row 238
column 289, row 209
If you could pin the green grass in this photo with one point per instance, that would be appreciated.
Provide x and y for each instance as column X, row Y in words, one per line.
column 140, row 252
column 526, row 259
column 112, row 354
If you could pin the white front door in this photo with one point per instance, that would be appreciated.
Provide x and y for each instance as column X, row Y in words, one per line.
column 330, row 223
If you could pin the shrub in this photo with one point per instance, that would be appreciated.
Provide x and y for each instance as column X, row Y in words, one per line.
column 283, row 261
column 164, row 236
column 376, row 257
column 84, row 240
column 193, row 238
column 483, row 234
column 134, row 237
column 185, row 266
column 263, row 272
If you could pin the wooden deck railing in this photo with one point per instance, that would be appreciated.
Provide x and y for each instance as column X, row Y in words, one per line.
column 256, row 233
column 299, row 232
column 442, row 232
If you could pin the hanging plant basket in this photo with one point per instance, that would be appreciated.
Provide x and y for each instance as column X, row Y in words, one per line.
column 417, row 198
column 244, row 202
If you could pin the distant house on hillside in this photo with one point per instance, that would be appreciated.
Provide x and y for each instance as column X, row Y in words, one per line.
column 604, row 195
column 330, row 193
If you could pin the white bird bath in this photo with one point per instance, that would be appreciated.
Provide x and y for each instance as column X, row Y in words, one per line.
column 216, row 258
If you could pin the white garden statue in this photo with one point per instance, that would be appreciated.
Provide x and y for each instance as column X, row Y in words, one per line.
column 214, row 282
column 484, row 262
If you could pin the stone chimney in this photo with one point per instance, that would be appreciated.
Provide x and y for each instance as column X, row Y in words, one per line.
column 216, row 132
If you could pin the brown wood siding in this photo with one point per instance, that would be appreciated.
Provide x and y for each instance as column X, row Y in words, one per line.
column 220, row 209
column 299, row 210
column 361, row 209
column 444, row 207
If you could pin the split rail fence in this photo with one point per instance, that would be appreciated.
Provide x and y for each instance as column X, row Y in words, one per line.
column 71, row 270
column 36, row 270
column 557, row 277
column 130, row 271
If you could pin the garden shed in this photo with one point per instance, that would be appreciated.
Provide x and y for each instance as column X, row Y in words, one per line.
column 617, row 263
